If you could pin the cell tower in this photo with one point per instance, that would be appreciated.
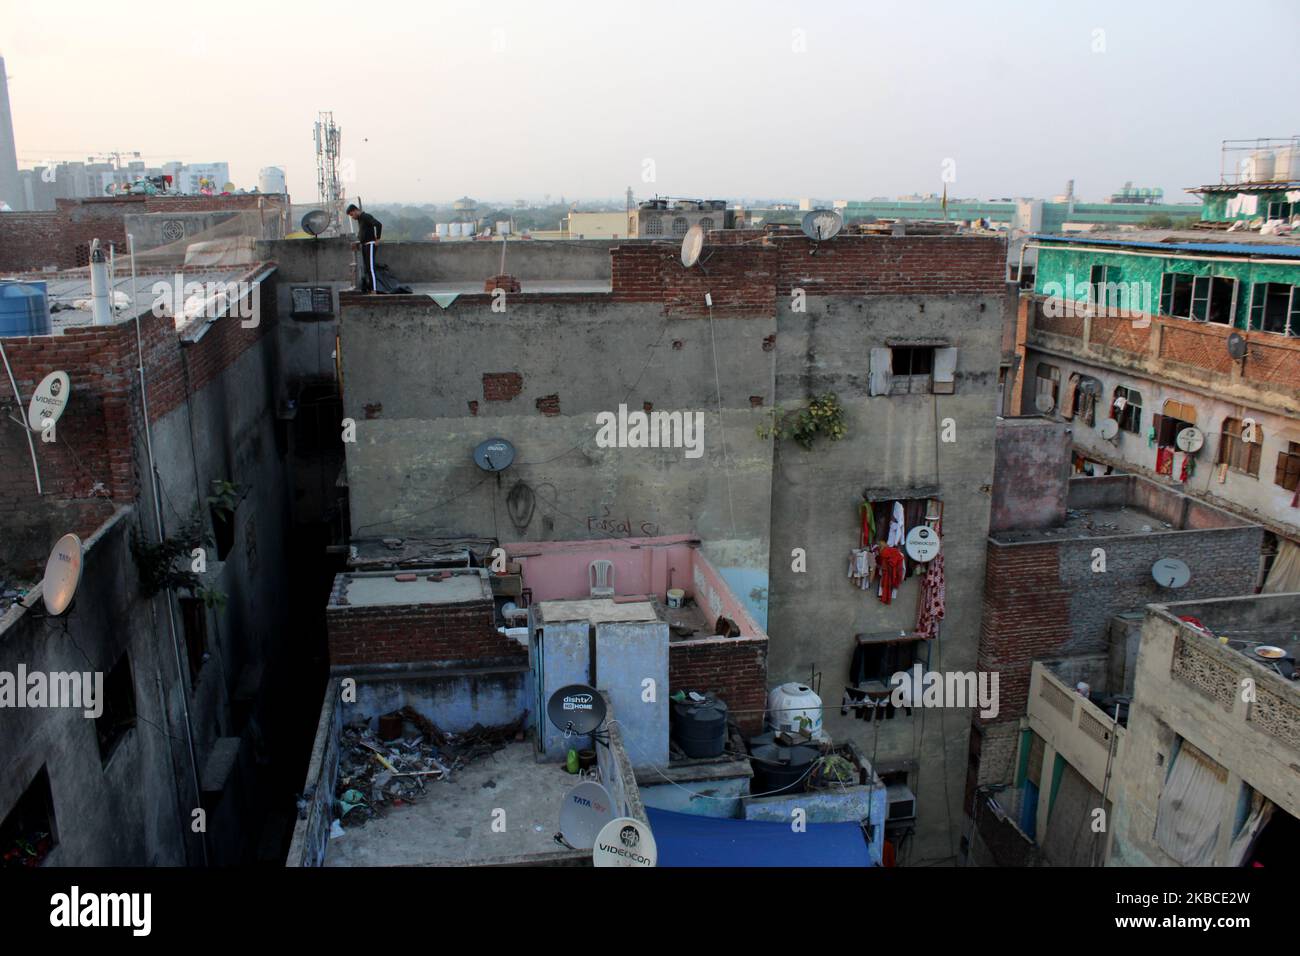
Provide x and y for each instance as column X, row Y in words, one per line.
column 329, row 188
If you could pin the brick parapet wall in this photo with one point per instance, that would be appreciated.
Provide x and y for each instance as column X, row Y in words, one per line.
column 733, row 668
column 446, row 634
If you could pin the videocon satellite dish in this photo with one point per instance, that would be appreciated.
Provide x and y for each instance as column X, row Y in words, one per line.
column 922, row 543
column 821, row 224
column 49, row 400
column 1108, row 429
column 692, row 245
column 495, row 454
column 1237, row 345
column 576, row 709
column 624, row 841
column 587, row 808
column 315, row 222
column 1190, row 440
column 1170, row 573
column 62, row 574
column 1044, row 403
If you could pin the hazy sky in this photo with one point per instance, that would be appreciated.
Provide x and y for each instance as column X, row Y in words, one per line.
column 728, row 99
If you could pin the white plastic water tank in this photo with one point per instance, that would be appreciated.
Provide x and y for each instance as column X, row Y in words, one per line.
column 1259, row 167
column 503, row 227
column 443, row 229
column 271, row 179
column 1286, row 165
column 787, row 703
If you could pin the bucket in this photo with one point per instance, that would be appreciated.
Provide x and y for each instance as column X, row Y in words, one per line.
column 676, row 597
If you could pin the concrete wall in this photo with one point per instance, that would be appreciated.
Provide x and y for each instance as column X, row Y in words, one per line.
column 1031, row 474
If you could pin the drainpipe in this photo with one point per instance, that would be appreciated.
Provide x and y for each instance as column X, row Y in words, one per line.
column 102, row 309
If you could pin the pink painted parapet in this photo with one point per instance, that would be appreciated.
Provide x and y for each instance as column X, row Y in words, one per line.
column 557, row 570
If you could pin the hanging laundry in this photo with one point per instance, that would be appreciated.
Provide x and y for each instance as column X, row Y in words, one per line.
column 1165, row 461
column 868, row 523
column 1185, row 471
column 862, row 567
column 1067, row 406
column 930, row 606
column 891, row 565
column 897, row 527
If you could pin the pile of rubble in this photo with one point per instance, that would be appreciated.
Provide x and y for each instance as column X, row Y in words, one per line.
column 376, row 775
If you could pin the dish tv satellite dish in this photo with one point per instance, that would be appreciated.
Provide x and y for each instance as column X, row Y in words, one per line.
column 315, row 222
column 495, row 454
column 1170, row 573
column 62, row 574
column 576, row 709
column 821, row 224
column 692, row 245
column 1237, row 345
column 587, row 808
column 922, row 544
column 1044, row 403
column 1108, row 429
column 1190, row 440
column 49, row 400
column 624, row 841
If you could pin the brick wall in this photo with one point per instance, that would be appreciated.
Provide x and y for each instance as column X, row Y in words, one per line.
column 502, row 386
column 733, row 668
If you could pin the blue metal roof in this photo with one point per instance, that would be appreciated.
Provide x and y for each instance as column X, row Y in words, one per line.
column 1229, row 248
column 684, row 839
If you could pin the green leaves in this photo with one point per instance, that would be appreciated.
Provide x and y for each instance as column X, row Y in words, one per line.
column 822, row 417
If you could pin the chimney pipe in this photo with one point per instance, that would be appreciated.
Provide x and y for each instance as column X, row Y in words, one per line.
column 102, row 309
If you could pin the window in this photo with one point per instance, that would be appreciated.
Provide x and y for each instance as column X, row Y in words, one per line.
column 1047, row 379
column 119, row 708
column 194, row 622
column 909, row 369
column 1190, row 808
column 1103, row 287
column 654, row 226
column 1275, row 307
column 680, row 226
column 1126, row 409
column 706, row 223
column 1083, row 403
column 27, row 834
column 1214, row 299
column 1281, row 210
column 1288, row 467
column 1176, row 295
column 1241, row 445
column 879, row 660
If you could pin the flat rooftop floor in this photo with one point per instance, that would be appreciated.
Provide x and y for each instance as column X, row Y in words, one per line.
column 1092, row 523
column 375, row 589
column 596, row 610
column 451, row 825
column 466, row 286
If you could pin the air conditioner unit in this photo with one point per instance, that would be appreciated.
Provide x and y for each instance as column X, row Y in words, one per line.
column 902, row 803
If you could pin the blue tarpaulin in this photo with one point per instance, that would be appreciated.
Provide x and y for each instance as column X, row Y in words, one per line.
column 685, row 839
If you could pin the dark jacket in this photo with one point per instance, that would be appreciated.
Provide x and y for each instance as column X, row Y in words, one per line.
column 369, row 228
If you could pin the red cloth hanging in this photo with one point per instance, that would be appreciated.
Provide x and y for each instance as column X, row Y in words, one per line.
column 930, row 605
column 1165, row 461
column 891, row 565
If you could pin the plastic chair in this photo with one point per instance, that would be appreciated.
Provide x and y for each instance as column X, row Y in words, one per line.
column 600, row 576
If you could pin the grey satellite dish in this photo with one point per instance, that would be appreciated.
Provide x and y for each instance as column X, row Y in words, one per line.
column 1170, row 573
column 49, row 400
column 1108, row 429
column 587, row 808
column 692, row 245
column 495, row 454
column 1190, row 440
column 316, row 222
column 821, row 224
column 1044, row 403
column 1237, row 345
column 576, row 709
column 62, row 574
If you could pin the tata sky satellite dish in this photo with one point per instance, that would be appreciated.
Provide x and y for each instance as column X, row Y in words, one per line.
column 922, row 543
column 1170, row 573
column 624, row 841
column 1190, row 440
column 315, row 222
column 587, row 808
column 495, row 454
column 576, row 709
column 1237, row 345
column 821, row 224
column 692, row 245
column 49, row 400
column 62, row 574
column 1044, row 403
column 1108, row 429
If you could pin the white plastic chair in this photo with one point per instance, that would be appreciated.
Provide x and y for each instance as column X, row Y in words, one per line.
column 600, row 576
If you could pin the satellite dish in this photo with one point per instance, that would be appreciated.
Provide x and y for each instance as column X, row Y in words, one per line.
column 1190, row 440
column 1044, row 402
column 1108, row 429
column 495, row 454
column 49, row 400
column 922, row 543
column 625, row 842
column 821, row 224
column 692, row 245
column 315, row 222
column 576, row 709
column 1170, row 573
column 62, row 574
column 1237, row 345
column 587, row 808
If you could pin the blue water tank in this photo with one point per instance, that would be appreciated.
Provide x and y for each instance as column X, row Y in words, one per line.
column 24, row 309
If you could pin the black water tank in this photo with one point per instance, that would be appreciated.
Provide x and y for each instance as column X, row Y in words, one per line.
column 780, row 769
column 700, row 727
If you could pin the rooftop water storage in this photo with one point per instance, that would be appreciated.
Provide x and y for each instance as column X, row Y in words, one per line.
column 781, row 769
column 1286, row 165
column 699, row 728
column 270, row 179
column 24, row 309
column 795, row 708
column 1259, row 167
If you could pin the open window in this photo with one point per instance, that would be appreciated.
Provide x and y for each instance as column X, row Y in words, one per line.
column 118, row 715
column 1241, row 446
column 1083, row 394
column 1126, row 409
column 28, row 833
column 913, row 369
column 1047, row 381
column 1214, row 299
column 1175, row 417
column 1176, row 295
column 1103, row 288
column 194, row 624
column 1275, row 307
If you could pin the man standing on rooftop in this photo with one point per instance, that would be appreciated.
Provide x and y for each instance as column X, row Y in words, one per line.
column 369, row 231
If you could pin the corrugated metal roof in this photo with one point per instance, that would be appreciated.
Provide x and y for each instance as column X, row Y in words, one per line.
column 1208, row 248
column 1265, row 187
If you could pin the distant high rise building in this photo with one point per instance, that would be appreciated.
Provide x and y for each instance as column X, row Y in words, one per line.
column 10, row 190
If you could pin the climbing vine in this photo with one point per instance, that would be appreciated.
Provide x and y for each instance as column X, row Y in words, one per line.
column 167, row 565
column 823, row 416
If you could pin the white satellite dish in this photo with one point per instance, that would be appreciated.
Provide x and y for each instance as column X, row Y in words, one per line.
column 587, row 808
column 62, row 574
column 1190, row 440
column 922, row 543
column 625, row 842
column 49, row 400
column 1108, row 429
column 821, row 224
column 692, row 245
column 1170, row 573
column 1044, row 402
